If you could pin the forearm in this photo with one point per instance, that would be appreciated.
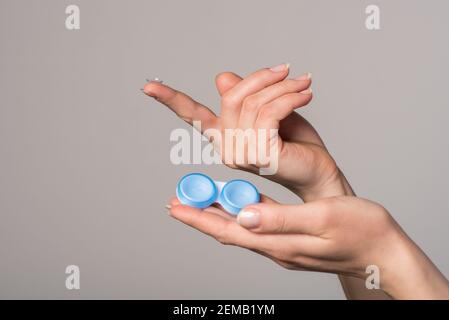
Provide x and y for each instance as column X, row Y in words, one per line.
column 410, row 274
column 355, row 288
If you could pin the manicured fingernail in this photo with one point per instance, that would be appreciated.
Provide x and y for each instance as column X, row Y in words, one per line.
column 148, row 93
column 306, row 76
column 248, row 218
column 149, row 81
column 281, row 67
column 154, row 80
column 307, row 91
column 167, row 208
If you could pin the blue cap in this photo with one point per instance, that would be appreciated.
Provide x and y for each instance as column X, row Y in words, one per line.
column 237, row 194
column 196, row 190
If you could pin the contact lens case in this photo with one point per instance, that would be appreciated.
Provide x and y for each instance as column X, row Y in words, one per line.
column 200, row 191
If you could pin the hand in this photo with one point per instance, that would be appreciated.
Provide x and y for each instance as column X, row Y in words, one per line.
column 340, row 235
column 266, row 99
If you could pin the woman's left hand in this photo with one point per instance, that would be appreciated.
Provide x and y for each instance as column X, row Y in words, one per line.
column 342, row 235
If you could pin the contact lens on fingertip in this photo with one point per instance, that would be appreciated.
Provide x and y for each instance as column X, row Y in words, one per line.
column 154, row 80
column 200, row 191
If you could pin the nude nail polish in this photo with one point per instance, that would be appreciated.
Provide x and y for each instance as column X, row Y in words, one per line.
column 281, row 67
column 167, row 209
column 307, row 91
column 306, row 76
column 248, row 218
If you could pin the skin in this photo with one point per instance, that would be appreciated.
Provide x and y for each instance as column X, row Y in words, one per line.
column 266, row 99
column 341, row 235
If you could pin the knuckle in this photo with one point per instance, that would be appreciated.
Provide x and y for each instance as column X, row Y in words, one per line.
column 243, row 166
column 326, row 214
column 266, row 112
column 250, row 104
column 232, row 166
column 287, row 265
column 292, row 267
column 221, row 237
column 229, row 100
column 280, row 225
column 309, row 263
column 283, row 255
column 224, row 235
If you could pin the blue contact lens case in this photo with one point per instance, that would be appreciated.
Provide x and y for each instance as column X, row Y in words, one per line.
column 199, row 191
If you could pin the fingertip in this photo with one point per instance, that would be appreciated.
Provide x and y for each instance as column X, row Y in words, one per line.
column 283, row 67
column 227, row 76
column 226, row 80
column 305, row 77
column 305, row 83
column 220, row 76
column 151, row 89
column 182, row 212
column 174, row 202
column 249, row 218
column 308, row 97
column 308, row 91
column 158, row 90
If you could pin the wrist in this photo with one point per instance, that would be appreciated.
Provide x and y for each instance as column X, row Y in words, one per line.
column 409, row 274
column 335, row 185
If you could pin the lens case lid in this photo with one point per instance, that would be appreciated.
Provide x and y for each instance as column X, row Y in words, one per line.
column 197, row 190
column 200, row 191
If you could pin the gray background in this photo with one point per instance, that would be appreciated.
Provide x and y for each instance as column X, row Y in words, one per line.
column 84, row 156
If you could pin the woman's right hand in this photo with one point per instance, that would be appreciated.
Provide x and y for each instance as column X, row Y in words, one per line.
column 265, row 100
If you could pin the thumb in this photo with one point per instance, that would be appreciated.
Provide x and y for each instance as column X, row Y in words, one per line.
column 225, row 81
column 306, row 218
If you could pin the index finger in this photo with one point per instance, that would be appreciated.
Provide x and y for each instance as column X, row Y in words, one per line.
column 184, row 106
column 224, row 230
